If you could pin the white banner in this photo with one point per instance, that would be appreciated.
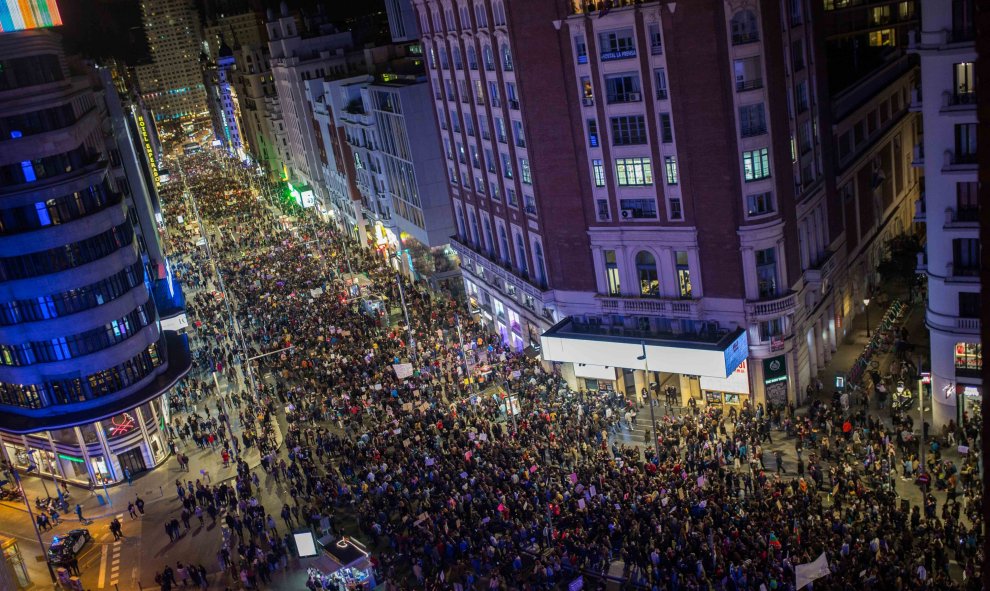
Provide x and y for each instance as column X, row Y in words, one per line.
column 403, row 370
column 807, row 573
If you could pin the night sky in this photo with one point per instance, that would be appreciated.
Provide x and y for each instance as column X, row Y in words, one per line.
column 112, row 28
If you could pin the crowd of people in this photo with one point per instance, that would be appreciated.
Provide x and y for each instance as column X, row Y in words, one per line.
column 458, row 490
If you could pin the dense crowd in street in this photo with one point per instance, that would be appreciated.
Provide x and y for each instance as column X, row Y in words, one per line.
column 456, row 494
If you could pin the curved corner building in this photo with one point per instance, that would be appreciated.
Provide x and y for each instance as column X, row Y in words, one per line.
column 84, row 363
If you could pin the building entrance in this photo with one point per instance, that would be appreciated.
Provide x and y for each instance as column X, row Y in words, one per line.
column 132, row 460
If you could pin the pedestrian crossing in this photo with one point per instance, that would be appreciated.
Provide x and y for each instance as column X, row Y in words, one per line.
column 110, row 563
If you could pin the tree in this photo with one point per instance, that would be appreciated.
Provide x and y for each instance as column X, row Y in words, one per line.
column 898, row 269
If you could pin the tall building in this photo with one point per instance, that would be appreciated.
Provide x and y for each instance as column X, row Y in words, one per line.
column 301, row 50
column 84, row 362
column 399, row 170
column 222, row 99
column 402, row 24
column 702, row 224
column 950, row 207
column 234, row 29
column 500, row 84
column 258, row 101
column 172, row 86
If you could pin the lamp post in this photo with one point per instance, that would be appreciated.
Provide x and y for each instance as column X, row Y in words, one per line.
column 866, row 309
column 649, row 394
column 37, row 532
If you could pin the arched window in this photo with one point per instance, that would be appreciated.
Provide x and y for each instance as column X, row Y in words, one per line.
column 521, row 255
column 489, row 243
column 475, row 240
column 503, row 244
column 461, row 232
column 541, row 268
column 744, row 27
column 472, row 58
column 488, row 56
column 646, row 269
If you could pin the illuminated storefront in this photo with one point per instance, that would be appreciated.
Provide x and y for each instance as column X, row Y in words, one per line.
column 135, row 440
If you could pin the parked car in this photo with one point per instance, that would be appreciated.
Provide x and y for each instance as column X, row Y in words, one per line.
column 65, row 547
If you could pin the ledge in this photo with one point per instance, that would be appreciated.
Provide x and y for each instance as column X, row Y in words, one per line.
column 23, row 420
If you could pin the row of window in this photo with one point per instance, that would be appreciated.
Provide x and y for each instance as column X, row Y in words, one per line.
column 34, row 122
column 74, row 300
column 80, row 344
column 67, row 256
column 32, row 70
column 73, row 390
column 618, row 44
column 58, row 210
column 647, row 274
column 480, row 16
column 29, row 171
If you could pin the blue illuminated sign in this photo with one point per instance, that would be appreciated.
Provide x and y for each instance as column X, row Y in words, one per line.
column 618, row 55
column 736, row 353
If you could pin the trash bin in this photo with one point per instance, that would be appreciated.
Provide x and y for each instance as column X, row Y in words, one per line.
column 101, row 500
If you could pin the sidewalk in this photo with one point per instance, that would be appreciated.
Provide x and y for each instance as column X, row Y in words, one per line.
column 153, row 485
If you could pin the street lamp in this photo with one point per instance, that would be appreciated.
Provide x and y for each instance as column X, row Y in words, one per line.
column 866, row 308
column 44, row 551
column 649, row 394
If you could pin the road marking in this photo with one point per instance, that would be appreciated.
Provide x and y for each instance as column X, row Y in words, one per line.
column 103, row 567
column 115, row 569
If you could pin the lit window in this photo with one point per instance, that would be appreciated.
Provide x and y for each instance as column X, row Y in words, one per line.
column 633, row 171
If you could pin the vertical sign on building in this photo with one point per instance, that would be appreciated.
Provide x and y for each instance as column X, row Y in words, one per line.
column 149, row 152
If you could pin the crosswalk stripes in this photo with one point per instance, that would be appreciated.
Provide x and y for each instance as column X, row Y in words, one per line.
column 115, row 560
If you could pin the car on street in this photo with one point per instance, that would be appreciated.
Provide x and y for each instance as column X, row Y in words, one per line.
column 66, row 546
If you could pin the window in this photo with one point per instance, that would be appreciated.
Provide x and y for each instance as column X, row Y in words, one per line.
column 756, row 164
column 963, row 20
column 472, row 58
column 752, row 120
column 617, row 45
column 646, row 269
column 517, row 132
column 622, row 88
column 796, row 12
column 489, row 57
column 676, row 211
column 638, row 209
column 503, row 244
column 527, row 176
column 759, row 203
column 670, row 169
column 500, row 130
column 766, row 272
column 633, row 171
column 581, row 49
column 770, row 329
column 493, row 91
column 797, row 55
column 529, row 203
column 967, row 202
column 965, row 143
column 598, row 170
column 749, row 73
column 969, row 304
column 656, row 41
column 521, row 259
column 510, row 197
column 593, row 133
column 683, row 273
column 666, row 128
column 964, row 77
column 587, row 92
column 744, row 28
column 660, row 76
column 498, row 13
column 480, row 15
column 489, row 241
column 882, row 38
column 628, row 130
column 801, row 92
column 601, row 206
column 612, row 273
column 965, row 257
column 506, row 165
column 541, row 268
column 506, row 58
column 458, row 63
column 969, row 356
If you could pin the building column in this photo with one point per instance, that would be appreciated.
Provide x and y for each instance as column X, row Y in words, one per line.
column 147, row 439
column 85, row 453
column 101, row 436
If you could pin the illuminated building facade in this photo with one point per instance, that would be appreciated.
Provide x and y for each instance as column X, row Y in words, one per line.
column 172, row 86
column 84, row 362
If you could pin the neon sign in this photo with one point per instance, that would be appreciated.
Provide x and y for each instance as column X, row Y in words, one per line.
column 143, row 127
column 121, row 424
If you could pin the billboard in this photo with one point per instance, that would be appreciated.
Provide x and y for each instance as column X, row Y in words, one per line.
column 19, row 15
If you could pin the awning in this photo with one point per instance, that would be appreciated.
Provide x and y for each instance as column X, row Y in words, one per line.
column 703, row 354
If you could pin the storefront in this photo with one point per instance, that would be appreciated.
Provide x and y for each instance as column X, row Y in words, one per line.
column 731, row 391
column 775, row 380
column 102, row 452
column 595, row 378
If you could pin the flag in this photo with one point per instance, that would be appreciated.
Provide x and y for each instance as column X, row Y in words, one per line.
column 807, row 573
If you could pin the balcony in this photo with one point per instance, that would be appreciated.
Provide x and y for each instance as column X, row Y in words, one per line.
column 920, row 212
column 957, row 102
column 915, row 105
column 767, row 309
column 959, row 219
column 918, row 155
column 629, row 305
column 821, row 272
column 968, row 324
column 497, row 273
column 958, row 162
column 746, row 85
